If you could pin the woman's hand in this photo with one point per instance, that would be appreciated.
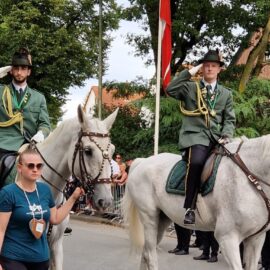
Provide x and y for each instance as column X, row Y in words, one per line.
column 77, row 193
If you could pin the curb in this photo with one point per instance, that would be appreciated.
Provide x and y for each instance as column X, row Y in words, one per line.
column 97, row 219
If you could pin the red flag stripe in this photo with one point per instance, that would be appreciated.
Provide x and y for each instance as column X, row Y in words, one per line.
column 166, row 43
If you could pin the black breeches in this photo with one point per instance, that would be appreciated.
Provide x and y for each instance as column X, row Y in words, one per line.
column 183, row 237
column 209, row 241
column 266, row 251
column 196, row 156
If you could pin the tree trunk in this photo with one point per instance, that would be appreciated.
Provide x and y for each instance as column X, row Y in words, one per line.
column 259, row 64
column 253, row 56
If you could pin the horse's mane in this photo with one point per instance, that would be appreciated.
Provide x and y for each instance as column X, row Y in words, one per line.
column 72, row 125
column 67, row 126
column 258, row 144
column 266, row 145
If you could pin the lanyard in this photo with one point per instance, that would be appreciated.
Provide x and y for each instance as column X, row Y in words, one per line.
column 31, row 208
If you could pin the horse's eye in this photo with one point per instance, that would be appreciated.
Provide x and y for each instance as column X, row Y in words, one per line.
column 88, row 151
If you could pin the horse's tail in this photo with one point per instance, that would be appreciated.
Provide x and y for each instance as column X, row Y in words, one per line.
column 132, row 221
column 131, row 216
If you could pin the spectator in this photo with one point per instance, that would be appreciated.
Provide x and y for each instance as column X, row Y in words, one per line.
column 128, row 164
column 198, row 241
column 115, row 169
column 121, row 179
column 209, row 242
column 183, row 239
column 266, row 252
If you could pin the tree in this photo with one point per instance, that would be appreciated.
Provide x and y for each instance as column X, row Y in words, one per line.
column 256, row 55
column 62, row 36
column 197, row 24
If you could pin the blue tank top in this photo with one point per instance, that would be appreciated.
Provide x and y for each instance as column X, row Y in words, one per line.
column 19, row 242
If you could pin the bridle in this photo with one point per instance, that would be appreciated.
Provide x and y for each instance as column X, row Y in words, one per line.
column 87, row 180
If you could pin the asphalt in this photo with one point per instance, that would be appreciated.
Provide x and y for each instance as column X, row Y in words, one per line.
column 111, row 219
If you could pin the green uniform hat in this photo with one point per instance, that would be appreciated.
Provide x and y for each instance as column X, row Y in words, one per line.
column 212, row 56
column 22, row 58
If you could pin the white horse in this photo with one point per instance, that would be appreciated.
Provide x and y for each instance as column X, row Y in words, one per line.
column 234, row 210
column 82, row 147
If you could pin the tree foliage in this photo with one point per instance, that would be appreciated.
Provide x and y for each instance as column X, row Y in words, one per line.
column 62, row 36
column 132, row 139
column 252, row 109
column 197, row 24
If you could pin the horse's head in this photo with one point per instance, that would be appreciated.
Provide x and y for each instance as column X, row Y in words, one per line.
column 91, row 159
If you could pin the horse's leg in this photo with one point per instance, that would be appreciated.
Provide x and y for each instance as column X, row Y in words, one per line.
column 229, row 245
column 57, row 249
column 56, row 246
column 252, row 251
column 149, row 255
column 163, row 224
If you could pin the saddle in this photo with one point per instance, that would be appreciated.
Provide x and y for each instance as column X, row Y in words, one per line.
column 208, row 167
column 176, row 179
column 7, row 162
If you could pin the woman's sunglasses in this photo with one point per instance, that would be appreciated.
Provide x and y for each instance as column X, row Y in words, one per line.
column 31, row 166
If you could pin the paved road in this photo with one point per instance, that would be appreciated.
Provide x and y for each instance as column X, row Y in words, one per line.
column 103, row 247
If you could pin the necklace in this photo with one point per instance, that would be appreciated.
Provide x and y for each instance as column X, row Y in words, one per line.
column 37, row 226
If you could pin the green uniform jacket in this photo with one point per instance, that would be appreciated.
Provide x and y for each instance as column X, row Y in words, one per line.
column 35, row 118
column 194, row 129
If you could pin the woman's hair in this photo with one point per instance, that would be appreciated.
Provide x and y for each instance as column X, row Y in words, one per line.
column 27, row 151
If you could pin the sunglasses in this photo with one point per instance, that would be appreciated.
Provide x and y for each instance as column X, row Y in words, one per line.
column 118, row 158
column 31, row 166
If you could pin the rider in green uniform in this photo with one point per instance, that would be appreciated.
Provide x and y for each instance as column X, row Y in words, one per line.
column 207, row 109
column 23, row 110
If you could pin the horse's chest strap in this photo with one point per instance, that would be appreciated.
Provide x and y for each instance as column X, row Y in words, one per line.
column 254, row 180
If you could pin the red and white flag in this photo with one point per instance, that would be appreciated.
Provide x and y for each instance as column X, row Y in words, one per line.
column 166, row 43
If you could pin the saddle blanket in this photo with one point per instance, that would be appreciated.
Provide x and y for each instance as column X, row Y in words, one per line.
column 176, row 179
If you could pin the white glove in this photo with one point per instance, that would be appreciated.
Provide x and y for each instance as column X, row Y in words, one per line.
column 39, row 137
column 4, row 71
column 224, row 140
column 195, row 69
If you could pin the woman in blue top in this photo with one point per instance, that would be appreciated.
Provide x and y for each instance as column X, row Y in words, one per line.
column 26, row 208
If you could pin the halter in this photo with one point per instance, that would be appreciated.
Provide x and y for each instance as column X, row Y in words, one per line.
column 86, row 180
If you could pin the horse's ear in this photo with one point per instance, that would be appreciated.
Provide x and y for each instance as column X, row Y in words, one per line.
column 110, row 119
column 80, row 113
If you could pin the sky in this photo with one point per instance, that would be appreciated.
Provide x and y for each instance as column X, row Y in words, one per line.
column 122, row 66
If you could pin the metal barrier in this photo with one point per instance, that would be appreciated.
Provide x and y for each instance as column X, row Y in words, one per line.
column 114, row 212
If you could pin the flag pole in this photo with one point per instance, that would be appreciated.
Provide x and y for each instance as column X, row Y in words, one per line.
column 157, row 109
column 100, row 63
